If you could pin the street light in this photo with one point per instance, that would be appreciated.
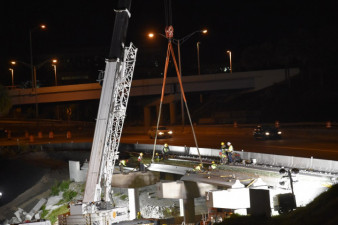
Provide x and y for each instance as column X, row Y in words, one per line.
column 229, row 52
column 54, row 62
column 198, row 58
column 179, row 42
column 34, row 78
column 35, row 67
column 12, row 72
column 42, row 26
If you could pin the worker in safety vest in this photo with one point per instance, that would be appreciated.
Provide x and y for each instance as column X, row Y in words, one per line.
column 198, row 168
column 157, row 157
column 141, row 165
column 230, row 150
column 223, row 153
column 213, row 165
column 122, row 164
column 165, row 151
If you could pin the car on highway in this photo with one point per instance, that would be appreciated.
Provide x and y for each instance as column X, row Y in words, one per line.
column 267, row 132
column 162, row 132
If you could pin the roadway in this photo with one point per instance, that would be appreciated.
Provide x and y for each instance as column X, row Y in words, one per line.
column 318, row 142
column 316, row 147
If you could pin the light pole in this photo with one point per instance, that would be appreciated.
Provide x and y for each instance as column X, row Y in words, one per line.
column 179, row 42
column 229, row 52
column 12, row 72
column 54, row 62
column 287, row 173
column 31, row 53
column 198, row 58
column 34, row 79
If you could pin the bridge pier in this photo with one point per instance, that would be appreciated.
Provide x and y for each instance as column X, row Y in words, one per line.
column 134, row 202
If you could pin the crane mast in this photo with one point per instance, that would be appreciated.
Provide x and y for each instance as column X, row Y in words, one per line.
column 96, row 207
column 112, row 109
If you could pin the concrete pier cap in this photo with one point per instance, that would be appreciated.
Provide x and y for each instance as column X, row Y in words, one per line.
column 135, row 179
column 182, row 189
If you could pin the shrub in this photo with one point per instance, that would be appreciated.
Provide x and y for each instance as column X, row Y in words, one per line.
column 53, row 216
column 55, row 189
column 64, row 185
column 44, row 211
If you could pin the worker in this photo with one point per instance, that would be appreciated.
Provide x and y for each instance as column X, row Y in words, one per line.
column 157, row 157
column 122, row 164
column 141, row 165
column 198, row 168
column 230, row 150
column 213, row 165
column 223, row 153
column 165, row 151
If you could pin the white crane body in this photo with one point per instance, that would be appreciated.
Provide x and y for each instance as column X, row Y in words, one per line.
column 96, row 207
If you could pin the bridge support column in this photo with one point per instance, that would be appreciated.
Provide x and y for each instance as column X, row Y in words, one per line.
column 181, row 201
column 189, row 210
column 172, row 107
column 134, row 202
column 146, row 116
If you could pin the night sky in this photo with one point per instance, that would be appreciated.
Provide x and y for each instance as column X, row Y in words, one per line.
column 261, row 34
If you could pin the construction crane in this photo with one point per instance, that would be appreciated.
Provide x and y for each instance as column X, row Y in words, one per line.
column 96, row 207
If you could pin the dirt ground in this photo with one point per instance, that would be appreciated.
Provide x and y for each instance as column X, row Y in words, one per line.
column 51, row 171
column 57, row 170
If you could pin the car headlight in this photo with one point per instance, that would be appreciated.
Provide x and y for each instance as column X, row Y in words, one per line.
column 267, row 133
column 170, row 132
column 160, row 133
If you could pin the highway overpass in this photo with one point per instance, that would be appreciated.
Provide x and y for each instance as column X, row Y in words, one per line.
column 251, row 80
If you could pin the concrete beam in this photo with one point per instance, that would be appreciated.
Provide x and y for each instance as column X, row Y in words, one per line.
column 168, row 168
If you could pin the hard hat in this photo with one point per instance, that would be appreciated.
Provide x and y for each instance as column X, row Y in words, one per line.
column 141, row 153
column 166, row 145
column 228, row 143
column 222, row 143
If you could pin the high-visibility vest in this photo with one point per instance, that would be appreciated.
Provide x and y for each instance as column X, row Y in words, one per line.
column 165, row 149
column 197, row 168
column 223, row 149
column 231, row 148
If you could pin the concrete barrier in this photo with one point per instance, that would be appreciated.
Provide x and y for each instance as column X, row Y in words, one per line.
column 292, row 161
